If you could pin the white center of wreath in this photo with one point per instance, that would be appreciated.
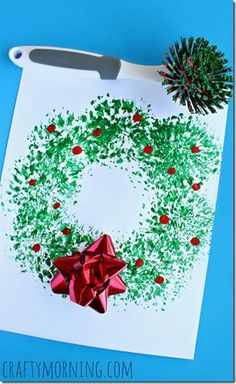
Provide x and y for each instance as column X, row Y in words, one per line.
column 109, row 201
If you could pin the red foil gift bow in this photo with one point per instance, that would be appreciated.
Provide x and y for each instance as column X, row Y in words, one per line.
column 91, row 276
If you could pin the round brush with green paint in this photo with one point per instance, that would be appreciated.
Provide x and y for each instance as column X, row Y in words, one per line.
column 197, row 75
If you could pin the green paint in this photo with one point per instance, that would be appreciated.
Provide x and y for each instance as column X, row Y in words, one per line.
column 165, row 249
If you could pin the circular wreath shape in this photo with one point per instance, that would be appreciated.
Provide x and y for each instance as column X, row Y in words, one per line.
column 112, row 132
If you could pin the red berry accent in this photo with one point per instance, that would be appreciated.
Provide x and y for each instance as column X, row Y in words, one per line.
column 159, row 280
column 51, row 128
column 36, row 247
column 77, row 150
column 97, row 132
column 164, row 219
column 148, row 149
column 137, row 117
column 32, row 182
column 56, row 205
column 196, row 186
column 139, row 263
column 171, row 171
column 195, row 241
column 195, row 149
column 66, row 231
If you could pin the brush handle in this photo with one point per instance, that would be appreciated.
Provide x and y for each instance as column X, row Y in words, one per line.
column 89, row 64
column 108, row 67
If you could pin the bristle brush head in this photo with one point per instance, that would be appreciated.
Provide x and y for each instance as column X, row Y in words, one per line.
column 197, row 75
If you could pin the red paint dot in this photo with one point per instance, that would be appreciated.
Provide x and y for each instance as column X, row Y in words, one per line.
column 148, row 149
column 171, row 171
column 196, row 186
column 137, row 117
column 139, row 263
column 51, row 128
column 195, row 149
column 77, row 150
column 159, row 280
column 56, row 205
column 32, row 182
column 36, row 247
column 195, row 241
column 97, row 132
column 163, row 74
column 164, row 219
column 66, row 231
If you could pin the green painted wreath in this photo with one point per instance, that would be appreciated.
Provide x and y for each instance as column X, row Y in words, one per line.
column 173, row 157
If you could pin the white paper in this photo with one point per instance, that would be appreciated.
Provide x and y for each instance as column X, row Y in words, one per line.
column 30, row 309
